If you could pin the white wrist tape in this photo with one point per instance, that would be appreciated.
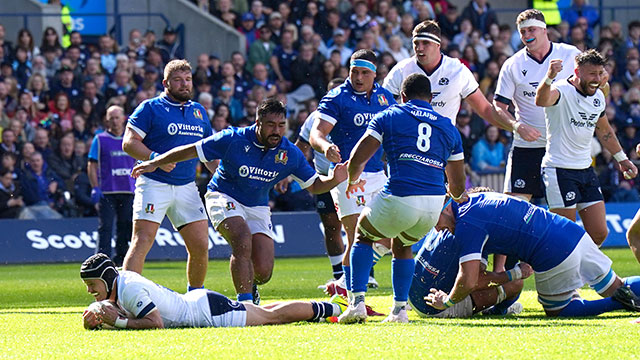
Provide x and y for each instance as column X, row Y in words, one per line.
column 121, row 322
column 548, row 81
column 515, row 273
column 620, row 156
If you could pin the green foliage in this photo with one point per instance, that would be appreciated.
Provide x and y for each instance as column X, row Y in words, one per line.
column 41, row 306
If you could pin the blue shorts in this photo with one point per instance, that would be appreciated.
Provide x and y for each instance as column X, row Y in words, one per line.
column 568, row 188
column 522, row 175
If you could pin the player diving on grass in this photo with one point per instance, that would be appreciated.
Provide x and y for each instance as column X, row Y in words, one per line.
column 560, row 252
column 139, row 303
column 421, row 146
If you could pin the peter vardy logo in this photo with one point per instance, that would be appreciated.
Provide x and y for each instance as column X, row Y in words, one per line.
column 243, row 171
column 362, row 119
column 172, row 129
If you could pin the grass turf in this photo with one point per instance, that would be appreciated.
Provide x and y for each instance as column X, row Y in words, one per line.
column 40, row 307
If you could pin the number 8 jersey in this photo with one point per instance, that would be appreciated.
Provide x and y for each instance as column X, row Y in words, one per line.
column 418, row 143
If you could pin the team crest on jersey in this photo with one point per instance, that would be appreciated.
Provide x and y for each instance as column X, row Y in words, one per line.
column 596, row 102
column 524, row 72
column 382, row 100
column 282, row 157
column 149, row 209
column 231, row 205
column 360, row 201
column 570, row 196
column 519, row 183
column 197, row 114
column 139, row 303
column 443, row 81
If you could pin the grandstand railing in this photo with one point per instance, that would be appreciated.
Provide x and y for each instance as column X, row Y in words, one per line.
column 491, row 179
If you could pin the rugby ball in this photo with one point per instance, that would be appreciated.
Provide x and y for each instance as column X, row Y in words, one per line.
column 98, row 309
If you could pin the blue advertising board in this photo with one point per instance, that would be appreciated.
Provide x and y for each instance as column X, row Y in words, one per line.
column 86, row 24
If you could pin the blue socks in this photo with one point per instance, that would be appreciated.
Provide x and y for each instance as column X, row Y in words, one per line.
column 581, row 307
column 634, row 283
column 401, row 277
column 245, row 297
column 361, row 260
column 189, row 287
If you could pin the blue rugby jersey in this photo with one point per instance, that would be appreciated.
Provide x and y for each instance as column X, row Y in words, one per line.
column 418, row 143
column 164, row 125
column 494, row 223
column 248, row 170
column 350, row 112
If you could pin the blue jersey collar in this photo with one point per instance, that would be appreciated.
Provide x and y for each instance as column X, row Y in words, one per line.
column 253, row 137
column 420, row 103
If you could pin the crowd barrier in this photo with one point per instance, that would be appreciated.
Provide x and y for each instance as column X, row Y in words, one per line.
column 297, row 234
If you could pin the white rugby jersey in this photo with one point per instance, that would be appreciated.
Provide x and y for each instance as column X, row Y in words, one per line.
column 139, row 296
column 451, row 82
column 571, row 123
column 518, row 81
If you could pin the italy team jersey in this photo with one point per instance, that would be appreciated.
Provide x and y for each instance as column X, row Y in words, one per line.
column 350, row 112
column 519, row 79
column 451, row 82
column 321, row 163
column 493, row 223
column 248, row 170
column 139, row 296
column 418, row 143
column 571, row 123
column 164, row 125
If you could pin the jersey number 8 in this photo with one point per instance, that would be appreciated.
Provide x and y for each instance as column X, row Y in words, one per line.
column 424, row 133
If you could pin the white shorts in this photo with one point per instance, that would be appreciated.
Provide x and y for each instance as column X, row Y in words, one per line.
column 221, row 206
column 154, row 199
column 462, row 309
column 396, row 216
column 585, row 265
column 357, row 202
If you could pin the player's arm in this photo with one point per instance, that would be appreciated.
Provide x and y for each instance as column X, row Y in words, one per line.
column 132, row 145
column 360, row 155
column 526, row 132
column 322, row 184
column 318, row 140
column 546, row 95
column 466, row 282
column 181, row 153
column 609, row 141
column 457, row 179
column 490, row 278
column 212, row 165
column 304, row 146
column 151, row 320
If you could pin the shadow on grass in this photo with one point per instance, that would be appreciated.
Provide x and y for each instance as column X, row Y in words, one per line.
column 48, row 312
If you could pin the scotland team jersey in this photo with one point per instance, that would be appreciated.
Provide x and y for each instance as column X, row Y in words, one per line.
column 494, row 223
column 451, row 82
column 350, row 112
column 164, row 125
column 321, row 163
column 571, row 123
column 519, row 79
column 248, row 170
column 418, row 143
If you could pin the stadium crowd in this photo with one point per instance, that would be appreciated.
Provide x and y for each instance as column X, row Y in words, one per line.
column 53, row 99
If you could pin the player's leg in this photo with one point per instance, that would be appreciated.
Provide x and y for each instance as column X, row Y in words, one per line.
column 332, row 237
column 106, row 215
column 402, row 266
column 236, row 232
column 290, row 311
column 594, row 221
column 196, row 240
column 522, row 173
column 142, row 238
column 262, row 254
column 501, row 297
column 124, row 226
column 633, row 236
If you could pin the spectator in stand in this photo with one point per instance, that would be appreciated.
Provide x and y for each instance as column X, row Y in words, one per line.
column 11, row 203
column 80, row 131
column 9, row 142
column 137, row 45
column 489, row 82
column 225, row 96
column 281, row 60
column 578, row 38
column 64, row 162
column 588, row 32
column 60, row 108
column 76, row 39
column 224, row 11
column 470, row 59
column 392, row 21
column 339, row 44
column 203, row 68
column 219, row 123
column 307, row 70
column 25, row 41
column 462, row 38
column 238, row 60
column 51, row 41
column 250, row 109
column 332, row 24
column 258, row 12
column 223, row 110
column 358, row 21
column 415, row 7
column 480, row 14
column 449, row 22
column 121, row 85
column 261, row 49
column 108, row 50
column 23, row 129
column 25, row 154
column 580, row 9
column 469, row 133
column 41, row 188
column 5, row 45
column 37, row 86
column 632, row 73
column 206, row 100
column 170, row 47
column 276, row 25
column 488, row 154
column 633, row 39
column 151, row 80
column 248, row 28
column 42, row 143
column 25, row 100
column 65, row 84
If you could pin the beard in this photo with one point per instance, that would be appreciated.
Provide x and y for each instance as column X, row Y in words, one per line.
column 181, row 96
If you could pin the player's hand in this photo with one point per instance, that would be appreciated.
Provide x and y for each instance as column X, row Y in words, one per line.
column 638, row 149
column 109, row 315
column 91, row 320
column 282, row 186
column 332, row 153
column 168, row 167
column 340, row 173
column 353, row 188
column 528, row 133
column 605, row 79
column 629, row 170
column 526, row 270
column 555, row 66
column 143, row 167
column 436, row 299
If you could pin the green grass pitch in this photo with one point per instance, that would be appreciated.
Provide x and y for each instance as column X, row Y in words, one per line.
column 41, row 306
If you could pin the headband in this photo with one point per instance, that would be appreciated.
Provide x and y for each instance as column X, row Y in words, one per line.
column 363, row 63
column 532, row 22
column 427, row 36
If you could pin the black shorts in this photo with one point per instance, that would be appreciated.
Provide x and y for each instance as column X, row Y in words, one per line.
column 522, row 175
column 324, row 203
column 567, row 188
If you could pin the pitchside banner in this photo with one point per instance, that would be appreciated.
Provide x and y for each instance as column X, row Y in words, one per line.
column 297, row 234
